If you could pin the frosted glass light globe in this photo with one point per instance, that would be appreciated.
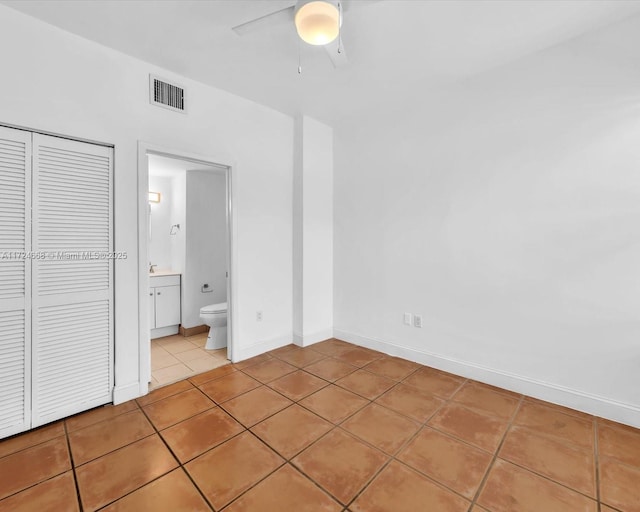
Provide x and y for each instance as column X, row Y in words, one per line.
column 317, row 22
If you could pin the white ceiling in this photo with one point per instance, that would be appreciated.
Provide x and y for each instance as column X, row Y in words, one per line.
column 399, row 49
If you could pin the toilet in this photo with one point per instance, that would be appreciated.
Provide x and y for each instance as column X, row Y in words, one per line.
column 215, row 316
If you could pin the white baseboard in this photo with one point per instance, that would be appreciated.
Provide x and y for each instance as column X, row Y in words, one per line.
column 309, row 339
column 242, row 353
column 575, row 399
column 127, row 392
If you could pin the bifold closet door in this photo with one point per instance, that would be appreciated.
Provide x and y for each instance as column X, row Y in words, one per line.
column 15, row 241
column 72, row 277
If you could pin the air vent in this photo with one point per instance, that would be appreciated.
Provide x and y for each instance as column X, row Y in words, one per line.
column 166, row 95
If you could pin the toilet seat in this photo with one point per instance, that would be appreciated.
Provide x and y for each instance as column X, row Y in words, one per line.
column 214, row 308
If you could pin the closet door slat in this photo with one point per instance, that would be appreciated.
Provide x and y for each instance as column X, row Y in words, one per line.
column 15, row 283
column 72, row 215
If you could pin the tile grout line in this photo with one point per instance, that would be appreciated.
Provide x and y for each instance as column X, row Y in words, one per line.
column 289, row 373
column 568, row 443
column 448, row 401
column 179, row 361
column 211, row 448
column 261, row 420
column 410, row 439
column 372, row 401
column 395, row 385
column 483, row 482
column 191, row 371
column 316, row 484
column 30, row 446
column 232, row 371
column 536, row 472
column 113, row 450
column 356, row 411
column 68, row 442
column 393, row 457
column 288, row 461
column 215, row 404
column 549, row 479
column 164, row 397
column 333, row 426
column 355, row 369
column 73, row 467
column 31, row 486
column 445, row 402
column 186, row 473
column 180, row 465
column 260, row 480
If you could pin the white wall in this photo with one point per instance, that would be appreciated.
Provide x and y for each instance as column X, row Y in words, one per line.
column 58, row 82
column 179, row 216
column 160, row 223
column 313, row 231
column 206, row 244
column 507, row 213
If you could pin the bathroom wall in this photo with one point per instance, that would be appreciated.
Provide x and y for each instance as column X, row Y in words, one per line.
column 206, row 244
column 160, row 222
column 178, row 242
column 196, row 200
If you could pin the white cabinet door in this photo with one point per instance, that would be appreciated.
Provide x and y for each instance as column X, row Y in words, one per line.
column 167, row 306
column 15, row 269
column 72, row 288
column 152, row 308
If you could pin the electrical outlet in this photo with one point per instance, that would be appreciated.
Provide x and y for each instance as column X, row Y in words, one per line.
column 407, row 319
column 417, row 320
column 259, row 316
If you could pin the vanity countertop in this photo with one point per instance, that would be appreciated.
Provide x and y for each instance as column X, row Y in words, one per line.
column 162, row 273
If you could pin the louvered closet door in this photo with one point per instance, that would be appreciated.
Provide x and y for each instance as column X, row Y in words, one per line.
column 15, row 240
column 72, row 289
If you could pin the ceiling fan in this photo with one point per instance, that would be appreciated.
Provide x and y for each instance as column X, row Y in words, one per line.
column 318, row 22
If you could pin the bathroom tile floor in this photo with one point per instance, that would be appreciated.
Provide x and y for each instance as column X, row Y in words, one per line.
column 174, row 358
column 332, row 427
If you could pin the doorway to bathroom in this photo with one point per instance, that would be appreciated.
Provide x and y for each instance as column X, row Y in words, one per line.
column 186, row 270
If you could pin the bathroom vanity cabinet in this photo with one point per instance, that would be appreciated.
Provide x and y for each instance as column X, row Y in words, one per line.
column 164, row 305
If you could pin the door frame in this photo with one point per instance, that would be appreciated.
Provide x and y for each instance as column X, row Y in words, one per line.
column 224, row 162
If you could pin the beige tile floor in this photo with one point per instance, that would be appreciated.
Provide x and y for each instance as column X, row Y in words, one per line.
column 174, row 358
column 328, row 428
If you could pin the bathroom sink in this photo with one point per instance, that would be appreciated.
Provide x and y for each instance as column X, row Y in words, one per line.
column 159, row 273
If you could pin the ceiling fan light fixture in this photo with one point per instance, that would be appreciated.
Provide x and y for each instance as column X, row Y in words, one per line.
column 317, row 21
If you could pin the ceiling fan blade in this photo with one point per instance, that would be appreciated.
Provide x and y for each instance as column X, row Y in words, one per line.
column 347, row 5
column 338, row 58
column 276, row 18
